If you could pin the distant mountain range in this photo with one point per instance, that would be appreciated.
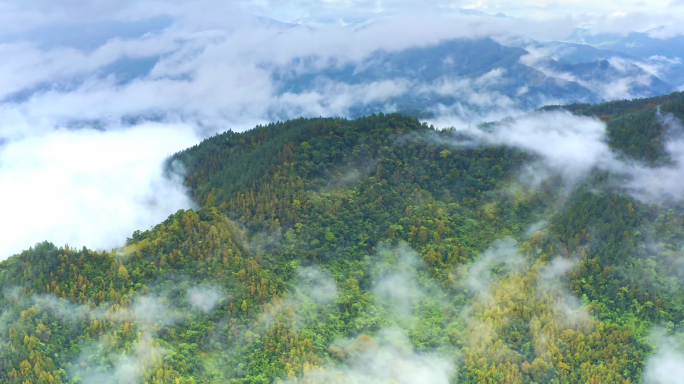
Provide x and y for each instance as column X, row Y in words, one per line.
column 500, row 76
column 661, row 53
column 466, row 77
column 640, row 45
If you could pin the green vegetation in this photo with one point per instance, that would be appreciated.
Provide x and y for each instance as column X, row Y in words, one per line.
column 313, row 231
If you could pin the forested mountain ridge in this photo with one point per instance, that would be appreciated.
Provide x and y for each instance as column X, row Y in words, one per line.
column 631, row 126
column 335, row 250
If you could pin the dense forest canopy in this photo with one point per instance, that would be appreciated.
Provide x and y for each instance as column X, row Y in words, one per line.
column 373, row 250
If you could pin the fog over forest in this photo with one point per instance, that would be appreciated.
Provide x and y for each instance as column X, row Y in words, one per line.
column 341, row 191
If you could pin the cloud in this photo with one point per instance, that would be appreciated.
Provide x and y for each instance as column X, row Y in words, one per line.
column 18, row 15
column 89, row 187
column 664, row 182
column 502, row 280
column 211, row 67
column 476, row 93
column 667, row 31
column 125, row 367
column 316, row 283
column 399, row 290
column 204, row 298
column 218, row 75
column 329, row 98
column 571, row 310
column 502, row 252
column 26, row 66
column 673, row 61
column 479, row 4
column 557, row 268
column 666, row 366
column 622, row 79
column 109, row 360
column 350, row 174
column 263, row 242
column 638, row 20
column 397, row 283
column 573, row 146
column 315, row 288
column 149, row 311
column 389, row 357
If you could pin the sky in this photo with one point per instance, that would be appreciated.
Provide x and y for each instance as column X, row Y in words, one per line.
column 95, row 95
column 26, row 15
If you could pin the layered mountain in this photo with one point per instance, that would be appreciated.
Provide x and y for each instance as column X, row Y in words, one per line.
column 656, row 42
column 472, row 80
column 381, row 249
column 656, row 48
column 480, row 75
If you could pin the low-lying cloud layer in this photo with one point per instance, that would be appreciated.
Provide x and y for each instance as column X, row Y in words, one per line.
column 316, row 284
column 573, row 146
column 396, row 281
column 89, row 187
column 619, row 79
column 666, row 366
column 204, row 298
column 196, row 68
column 107, row 359
column 126, row 367
column 63, row 181
column 389, row 357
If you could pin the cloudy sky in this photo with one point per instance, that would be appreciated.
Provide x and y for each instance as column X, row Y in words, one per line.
column 94, row 95
column 20, row 16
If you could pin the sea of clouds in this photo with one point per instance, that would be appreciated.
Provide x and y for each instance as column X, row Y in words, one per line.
column 94, row 96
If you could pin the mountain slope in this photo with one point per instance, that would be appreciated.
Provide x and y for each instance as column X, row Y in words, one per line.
column 334, row 250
